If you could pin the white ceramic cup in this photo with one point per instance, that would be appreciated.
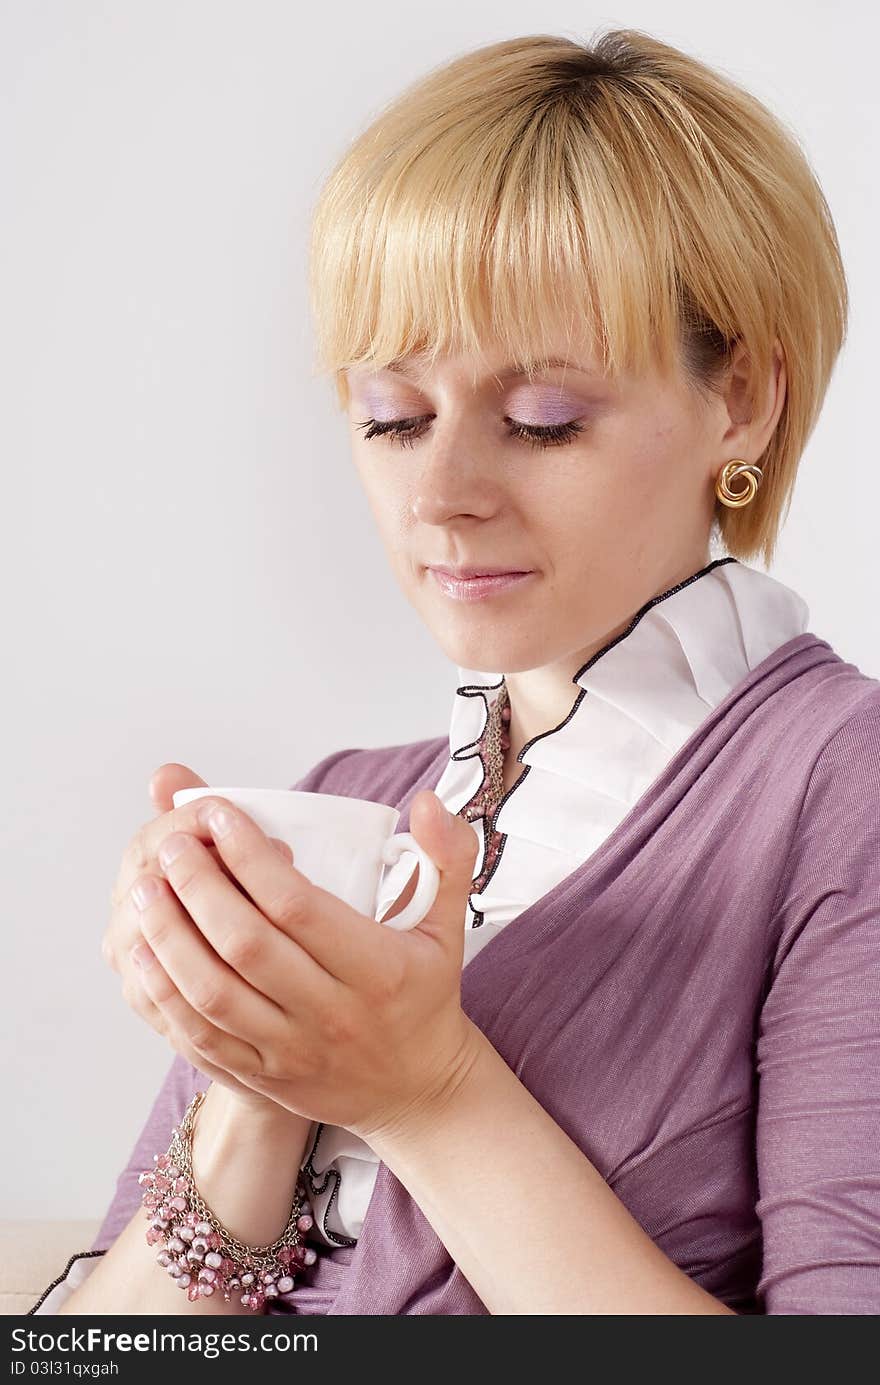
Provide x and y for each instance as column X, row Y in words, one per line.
column 341, row 844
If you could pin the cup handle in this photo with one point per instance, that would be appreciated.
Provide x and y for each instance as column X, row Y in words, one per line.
column 429, row 880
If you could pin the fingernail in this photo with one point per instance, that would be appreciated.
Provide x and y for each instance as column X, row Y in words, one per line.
column 220, row 821
column 172, row 847
column 442, row 816
column 144, row 891
column 143, row 955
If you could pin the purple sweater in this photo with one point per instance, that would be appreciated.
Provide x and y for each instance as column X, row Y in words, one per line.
column 697, row 1006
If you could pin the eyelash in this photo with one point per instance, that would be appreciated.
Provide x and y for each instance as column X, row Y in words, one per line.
column 403, row 431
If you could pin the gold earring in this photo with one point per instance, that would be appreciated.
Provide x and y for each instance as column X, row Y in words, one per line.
column 752, row 476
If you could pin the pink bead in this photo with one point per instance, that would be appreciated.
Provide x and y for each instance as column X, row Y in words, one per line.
column 285, row 1255
column 153, row 1235
column 192, row 1292
column 185, row 1280
column 310, row 1257
column 304, row 1223
column 186, row 1233
column 162, row 1161
column 179, row 1204
column 180, row 1185
column 145, row 1177
column 173, row 1170
column 285, row 1284
column 257, row 1302
column 177, row 1245
column 213, row 1259
column 247, row 1278
column 226, row 1265
column 162, row 1183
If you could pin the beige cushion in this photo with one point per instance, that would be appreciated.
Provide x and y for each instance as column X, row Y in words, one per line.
column 33, row 1253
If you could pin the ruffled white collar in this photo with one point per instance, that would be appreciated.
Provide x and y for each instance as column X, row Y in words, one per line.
column 638, row 700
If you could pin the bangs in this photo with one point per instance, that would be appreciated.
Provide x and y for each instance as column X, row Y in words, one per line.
column 521, row 232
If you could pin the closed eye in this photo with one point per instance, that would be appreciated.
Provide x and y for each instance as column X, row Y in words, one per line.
column 406, row 431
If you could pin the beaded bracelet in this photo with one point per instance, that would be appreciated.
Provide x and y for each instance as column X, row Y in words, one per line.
column 197, row 1251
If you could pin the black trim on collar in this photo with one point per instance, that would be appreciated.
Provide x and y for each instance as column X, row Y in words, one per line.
column 312, row 1175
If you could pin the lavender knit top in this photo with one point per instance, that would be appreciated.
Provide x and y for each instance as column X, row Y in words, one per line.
column 696, row 1002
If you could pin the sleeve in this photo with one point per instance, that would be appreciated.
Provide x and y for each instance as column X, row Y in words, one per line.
column 339, row 1170
column 180, row 1084
column 818, row 1045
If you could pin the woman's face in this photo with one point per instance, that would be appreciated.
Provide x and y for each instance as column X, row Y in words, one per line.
column 613, row 505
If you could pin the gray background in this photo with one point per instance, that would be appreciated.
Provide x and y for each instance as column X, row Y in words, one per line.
column 190, row 571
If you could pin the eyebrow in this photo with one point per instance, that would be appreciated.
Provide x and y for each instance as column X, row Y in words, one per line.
column 402, row 367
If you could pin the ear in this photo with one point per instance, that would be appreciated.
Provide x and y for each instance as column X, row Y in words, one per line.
column 751, row 429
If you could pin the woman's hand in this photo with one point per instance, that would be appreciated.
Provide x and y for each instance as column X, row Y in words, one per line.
column 123, row 930
column 296, row 995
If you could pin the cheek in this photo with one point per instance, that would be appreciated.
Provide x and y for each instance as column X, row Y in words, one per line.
column 598, row 515
column 389, row 502
column 645, row 468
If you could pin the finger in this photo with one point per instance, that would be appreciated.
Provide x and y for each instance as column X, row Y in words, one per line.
column 142, row 851
column 239, row 933
column 167, row 780
column 136, row 996
column 204, row 979
column 186, row 1025
column 137, row 999
column 341, row 941
column 124, row 927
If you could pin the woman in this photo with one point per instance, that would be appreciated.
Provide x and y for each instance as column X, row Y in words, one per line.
column 582, row 304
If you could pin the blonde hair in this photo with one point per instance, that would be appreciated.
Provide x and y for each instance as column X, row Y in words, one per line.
column 619, row 186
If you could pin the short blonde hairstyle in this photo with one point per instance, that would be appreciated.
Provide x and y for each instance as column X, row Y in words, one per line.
column 619, row 186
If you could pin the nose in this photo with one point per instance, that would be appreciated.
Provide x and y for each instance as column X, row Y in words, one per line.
column 451, row 485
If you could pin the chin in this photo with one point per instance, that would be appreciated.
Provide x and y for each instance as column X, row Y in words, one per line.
column 495, row 650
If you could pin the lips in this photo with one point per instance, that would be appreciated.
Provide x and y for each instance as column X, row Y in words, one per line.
column 464, row 574
column 476, row 588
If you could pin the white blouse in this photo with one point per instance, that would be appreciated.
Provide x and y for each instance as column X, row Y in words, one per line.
column 636, row 703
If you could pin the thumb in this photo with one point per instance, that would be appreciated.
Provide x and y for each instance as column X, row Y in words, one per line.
column 165, row 782
column 452, row 844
